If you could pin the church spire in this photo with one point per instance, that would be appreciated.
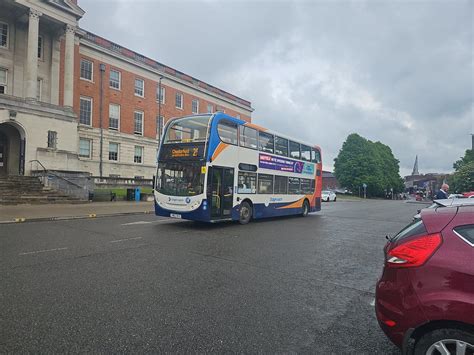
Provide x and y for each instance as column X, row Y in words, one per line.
column 415, row 167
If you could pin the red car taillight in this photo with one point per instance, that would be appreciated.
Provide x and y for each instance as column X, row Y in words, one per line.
column 414, row 252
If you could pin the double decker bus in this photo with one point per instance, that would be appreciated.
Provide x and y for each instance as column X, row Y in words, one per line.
column 213, row 167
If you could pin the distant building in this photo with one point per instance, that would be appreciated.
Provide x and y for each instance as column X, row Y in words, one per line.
column 59, row 84
column 329, row 181
column 426, row 183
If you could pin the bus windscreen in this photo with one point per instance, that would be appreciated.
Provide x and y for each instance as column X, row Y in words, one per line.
column 189, row 129
column 180, row 178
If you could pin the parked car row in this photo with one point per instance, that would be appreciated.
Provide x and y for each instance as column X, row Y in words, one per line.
column 425, row 296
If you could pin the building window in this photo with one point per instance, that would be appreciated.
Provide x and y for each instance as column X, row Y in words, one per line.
column 3, row 35
column 85, row 111
column 113, row 151
column 40, row 47
column 160, row 98
column 238, row 116
column 114, row 116
column 220, row 109
column 138, row 122
column 85, row 148
column 114, row 80
column 210, row 108
column 179, row 100
column 138, row 156
column 116, row 47
column 3, row 81
column 160, row 120
column 195, row 106
column 86, row 69
column 139, row 87
column 39, row 89
column 52, row 139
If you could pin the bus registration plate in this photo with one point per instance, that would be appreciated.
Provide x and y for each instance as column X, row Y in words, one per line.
column 175, row 215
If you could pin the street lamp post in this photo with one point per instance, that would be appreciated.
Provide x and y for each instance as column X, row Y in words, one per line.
column 159, row 109
column 102, row 72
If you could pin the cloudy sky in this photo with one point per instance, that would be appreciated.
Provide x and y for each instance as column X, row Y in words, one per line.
column 400, row 72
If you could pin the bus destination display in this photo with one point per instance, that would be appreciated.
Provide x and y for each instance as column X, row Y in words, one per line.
column 174, row 151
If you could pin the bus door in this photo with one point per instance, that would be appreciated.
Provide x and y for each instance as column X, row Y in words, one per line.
column 220, row 191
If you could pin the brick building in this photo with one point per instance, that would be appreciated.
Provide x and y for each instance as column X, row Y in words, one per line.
column 59, row 84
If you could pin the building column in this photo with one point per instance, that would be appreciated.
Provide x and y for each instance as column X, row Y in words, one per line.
column 55, row 65
column 69, row 66
column 32, row 55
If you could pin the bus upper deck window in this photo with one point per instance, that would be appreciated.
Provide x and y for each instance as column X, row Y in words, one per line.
column 281, row 146
column 265, row 142
column 315, row 156
column 248, row 137
column 294, row 150
column 227, row 132
column 305, row 152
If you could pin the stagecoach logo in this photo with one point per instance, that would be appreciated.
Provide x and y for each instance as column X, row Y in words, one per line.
column 177, row 201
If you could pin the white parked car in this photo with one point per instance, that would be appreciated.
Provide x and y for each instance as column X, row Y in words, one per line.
column 327, row 196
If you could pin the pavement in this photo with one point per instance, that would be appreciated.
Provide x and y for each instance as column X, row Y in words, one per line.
column 144, row 284
column 36, row 213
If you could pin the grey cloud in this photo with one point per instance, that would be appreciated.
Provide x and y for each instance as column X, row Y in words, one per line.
column 400, row 72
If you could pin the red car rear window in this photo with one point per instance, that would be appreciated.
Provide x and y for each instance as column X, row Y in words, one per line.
column 415, row 228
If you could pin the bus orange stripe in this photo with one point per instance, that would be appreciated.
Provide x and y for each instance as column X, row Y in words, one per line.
column 219, row 150
column 297, row 204
column 257, row 127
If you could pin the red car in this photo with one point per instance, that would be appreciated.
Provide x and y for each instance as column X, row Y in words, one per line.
column 425, row 298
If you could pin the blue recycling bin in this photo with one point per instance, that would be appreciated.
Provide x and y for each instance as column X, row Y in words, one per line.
column 137, row 194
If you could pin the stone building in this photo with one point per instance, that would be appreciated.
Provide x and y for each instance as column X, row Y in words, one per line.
column 75, row 101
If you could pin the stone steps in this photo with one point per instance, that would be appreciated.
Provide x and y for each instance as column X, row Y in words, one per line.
column 29, row 190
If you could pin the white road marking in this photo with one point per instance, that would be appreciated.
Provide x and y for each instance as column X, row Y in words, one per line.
column 372, row 303
column 41, row 251
column 133, row 223
column 124, row 240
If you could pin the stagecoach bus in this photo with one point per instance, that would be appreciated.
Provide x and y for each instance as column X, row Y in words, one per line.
column 213, row 167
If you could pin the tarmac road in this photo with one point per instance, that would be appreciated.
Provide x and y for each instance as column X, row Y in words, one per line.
column 146, row 284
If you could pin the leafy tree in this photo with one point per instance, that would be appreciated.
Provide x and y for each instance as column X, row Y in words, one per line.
column 362, row 161
column 463, row 177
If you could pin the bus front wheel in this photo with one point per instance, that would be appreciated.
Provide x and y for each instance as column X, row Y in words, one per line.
column 245, row 213
column 305, row 211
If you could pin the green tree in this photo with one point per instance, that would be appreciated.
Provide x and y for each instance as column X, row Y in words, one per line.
column 362, row 161
column 463, row 178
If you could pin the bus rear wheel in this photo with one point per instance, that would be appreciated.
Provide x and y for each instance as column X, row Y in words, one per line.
column 245, row 213
column 305, row 211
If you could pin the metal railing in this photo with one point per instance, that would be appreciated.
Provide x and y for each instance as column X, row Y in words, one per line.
column 47, row 172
